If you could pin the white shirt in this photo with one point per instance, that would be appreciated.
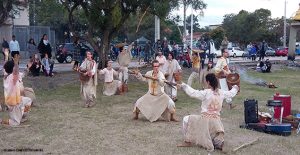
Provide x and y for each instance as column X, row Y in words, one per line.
column 14, row 45
column 108, row 74
column 162, row 60
column 211, row 100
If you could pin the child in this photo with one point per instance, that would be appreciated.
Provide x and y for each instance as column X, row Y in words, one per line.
column 47, row 65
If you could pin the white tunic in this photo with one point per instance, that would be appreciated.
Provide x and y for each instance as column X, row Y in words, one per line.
column 108, row 74
column 211, row 100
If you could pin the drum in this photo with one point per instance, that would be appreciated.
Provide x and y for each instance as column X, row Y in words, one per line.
column 233, row 79
column 83, row 77
column 177, row 77
column 124, row 88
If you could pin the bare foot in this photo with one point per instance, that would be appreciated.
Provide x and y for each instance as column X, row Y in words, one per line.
column 185, row 144
column 174, row 120
column 136, row 117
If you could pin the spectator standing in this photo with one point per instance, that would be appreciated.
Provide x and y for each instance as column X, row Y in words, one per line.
column 253, row 52
column 147, row 51
column 211, row 50
column 44, row 47
column 77, row 54
column 31, row 47
column 224, row 43
column 14, row 46
column 5, row 49
column 262, row 50
column 203, row 47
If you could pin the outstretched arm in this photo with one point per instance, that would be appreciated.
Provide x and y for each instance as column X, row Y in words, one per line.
column 231, row 93
column 197, row 94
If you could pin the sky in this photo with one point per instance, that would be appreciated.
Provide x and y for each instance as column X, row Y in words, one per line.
column 216, row 9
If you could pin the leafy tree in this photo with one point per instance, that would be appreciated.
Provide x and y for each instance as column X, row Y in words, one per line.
column 246, row 27
column 196, row 25
column 7, row 9
column 196, row 5
column 106, row 18
column 217, row 36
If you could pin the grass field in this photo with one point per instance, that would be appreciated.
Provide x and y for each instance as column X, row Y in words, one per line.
column 59, row 125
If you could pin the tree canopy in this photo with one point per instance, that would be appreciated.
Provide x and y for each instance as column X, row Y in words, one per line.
column 9, row 7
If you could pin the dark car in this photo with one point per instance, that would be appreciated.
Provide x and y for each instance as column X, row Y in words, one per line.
column 65, row 52
column 282, row 51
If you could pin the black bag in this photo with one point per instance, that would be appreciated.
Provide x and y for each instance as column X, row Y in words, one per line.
column 251, row 111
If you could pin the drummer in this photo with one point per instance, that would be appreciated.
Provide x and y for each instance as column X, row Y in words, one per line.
column 170, row 68
column 221, row 71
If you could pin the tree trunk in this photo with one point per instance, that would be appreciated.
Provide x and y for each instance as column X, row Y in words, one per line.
column 104, row 48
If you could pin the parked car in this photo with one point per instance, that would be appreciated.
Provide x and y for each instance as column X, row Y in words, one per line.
column 282, row 51
column 297, row 51
column 65, row 52
column 270, row 52
column 218, row 53
column 236, row 52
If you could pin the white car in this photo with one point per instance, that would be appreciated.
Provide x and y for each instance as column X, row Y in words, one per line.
column 236, row 52
column 218, row 53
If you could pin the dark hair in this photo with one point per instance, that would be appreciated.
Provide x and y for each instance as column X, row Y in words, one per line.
column 106, row 63
column 154, row 61
column 209, row 67
column 213, row 81
column 9, row 66
column 44, row 35
column 223, row 50
column 121, row 48
column 13, row 36
column 32, row 42
column 171, row 53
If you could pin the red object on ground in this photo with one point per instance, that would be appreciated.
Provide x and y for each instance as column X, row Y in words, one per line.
column 286, row 103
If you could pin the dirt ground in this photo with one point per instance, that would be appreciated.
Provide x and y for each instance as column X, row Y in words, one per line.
column 59, row 124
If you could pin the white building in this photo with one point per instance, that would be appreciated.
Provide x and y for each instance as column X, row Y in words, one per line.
column 21, row 18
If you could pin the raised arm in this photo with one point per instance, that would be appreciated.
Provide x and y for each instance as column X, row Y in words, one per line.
column 16, row 69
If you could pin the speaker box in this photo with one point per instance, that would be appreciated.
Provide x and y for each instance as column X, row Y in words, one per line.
column 251, row 111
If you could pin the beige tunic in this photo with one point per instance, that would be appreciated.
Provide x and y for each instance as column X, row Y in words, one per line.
column 206, row 129
column 221, row 71
column 155, row 102
column 124, row 59
column 88, row 88
column 110, row 85
column 170, row 67
column 17, row 105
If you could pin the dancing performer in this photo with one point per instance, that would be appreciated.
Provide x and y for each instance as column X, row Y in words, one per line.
column 206, row 129
column 124, row 59
column 155, row 103
column 170, row 68
column 161, row 59
column 88, row 78
column 18, row 106
column 221, row 71
column 111, row 86
column 195, row 67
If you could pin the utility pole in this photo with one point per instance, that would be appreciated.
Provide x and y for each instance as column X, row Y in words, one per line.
column 192, row 23
column 284, row 25
column 157, row 28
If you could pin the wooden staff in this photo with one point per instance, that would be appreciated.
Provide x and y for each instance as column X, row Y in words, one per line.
column 245, row 145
